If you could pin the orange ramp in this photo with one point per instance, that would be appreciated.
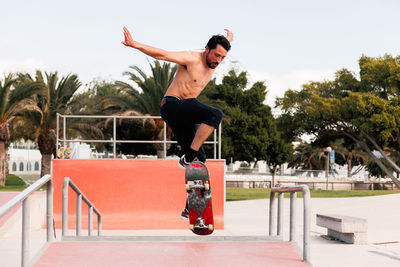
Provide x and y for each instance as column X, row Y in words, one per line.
column 133, row 194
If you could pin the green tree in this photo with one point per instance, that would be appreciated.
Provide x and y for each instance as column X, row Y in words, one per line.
column 375, row 170
column 90, row 102
column 146, row 100
column 249, row 129
column 14, row 98
column 54, row 98
column 350, row 107
column 279, row 152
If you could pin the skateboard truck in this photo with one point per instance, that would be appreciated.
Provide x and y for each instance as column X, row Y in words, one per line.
column 197, row 184
column 200, row 225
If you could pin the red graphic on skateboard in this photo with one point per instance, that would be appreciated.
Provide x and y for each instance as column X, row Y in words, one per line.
column 198, row 189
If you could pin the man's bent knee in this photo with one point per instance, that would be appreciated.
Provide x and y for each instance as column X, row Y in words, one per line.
column 216, row 117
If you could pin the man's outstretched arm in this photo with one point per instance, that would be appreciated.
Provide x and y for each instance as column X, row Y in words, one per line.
column 182, row 58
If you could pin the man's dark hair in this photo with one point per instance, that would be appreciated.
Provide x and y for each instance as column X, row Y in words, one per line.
column 218, row 40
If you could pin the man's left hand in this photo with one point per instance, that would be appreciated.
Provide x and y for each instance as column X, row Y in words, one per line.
column 229, row 35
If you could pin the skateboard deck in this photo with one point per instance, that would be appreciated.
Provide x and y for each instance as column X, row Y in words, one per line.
column 198, row 188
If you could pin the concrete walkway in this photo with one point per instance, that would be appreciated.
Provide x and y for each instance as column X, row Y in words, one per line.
column 382, row 213
column 246, row 218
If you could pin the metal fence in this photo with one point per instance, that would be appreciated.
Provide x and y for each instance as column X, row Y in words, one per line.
column 79, row 197
column 306, row 215
column 24, row 198
column 216, row 142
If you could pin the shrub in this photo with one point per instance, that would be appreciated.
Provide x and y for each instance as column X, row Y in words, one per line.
column 13, row 180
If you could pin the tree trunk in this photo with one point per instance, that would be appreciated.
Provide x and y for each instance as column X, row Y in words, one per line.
column 377, row 161
column 349, row 167
column 46, row 164
column 3, row 162
column 273, row 176
column 160, row 154
column 46, row 144
column 7, row 160
column 391, row 162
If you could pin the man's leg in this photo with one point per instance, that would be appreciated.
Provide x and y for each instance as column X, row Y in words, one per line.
column 192, row 112
column 185, row 134
column 202, row 133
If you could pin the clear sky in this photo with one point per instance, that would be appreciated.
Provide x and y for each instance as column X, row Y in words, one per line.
column 284, row 43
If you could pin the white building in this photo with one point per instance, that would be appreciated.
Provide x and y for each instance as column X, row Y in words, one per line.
column 24, row 158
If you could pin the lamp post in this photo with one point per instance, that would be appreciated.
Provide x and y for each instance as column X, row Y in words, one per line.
column 327, row 154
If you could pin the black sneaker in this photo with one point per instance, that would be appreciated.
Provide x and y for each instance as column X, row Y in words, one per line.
column 183, row 164
column 185, row 215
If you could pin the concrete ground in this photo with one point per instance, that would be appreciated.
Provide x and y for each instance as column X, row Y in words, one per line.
column 243, row 218
column 382, row 213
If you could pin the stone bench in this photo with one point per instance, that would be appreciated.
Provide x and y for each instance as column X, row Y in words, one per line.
column 348, row 229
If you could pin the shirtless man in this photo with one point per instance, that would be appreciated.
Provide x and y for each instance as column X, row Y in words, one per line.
column 179, row 107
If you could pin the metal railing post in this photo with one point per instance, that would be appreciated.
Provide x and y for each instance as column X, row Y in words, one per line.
column 292, row 232
column 165, row 140
column 306, row 214
column 215, row 144
column 49, row 211
column 272, row 216
column 25, row 232
column 280, row 214
column 114, row 137
column 98, row 226
column 64, row 130
column 90, row 222
column 57, row 129
column 65, row 207
column 307, row 223
column 219, row 141
column 78, row 214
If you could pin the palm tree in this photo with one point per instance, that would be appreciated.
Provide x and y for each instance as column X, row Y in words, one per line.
column 352, row 154
column 14, row 97
column 307, row 157
column 147, row 101
column 55, row 98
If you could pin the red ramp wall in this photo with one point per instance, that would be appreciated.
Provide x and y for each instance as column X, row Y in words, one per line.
column 133, row 194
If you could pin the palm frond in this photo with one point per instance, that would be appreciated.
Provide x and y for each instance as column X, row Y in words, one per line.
column 85, row 130
column 22, row 105
column 5, row 91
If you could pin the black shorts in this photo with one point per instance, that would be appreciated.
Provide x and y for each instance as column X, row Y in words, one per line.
column 183, row 116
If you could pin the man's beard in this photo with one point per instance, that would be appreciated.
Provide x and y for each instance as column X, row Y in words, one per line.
column 211, row 65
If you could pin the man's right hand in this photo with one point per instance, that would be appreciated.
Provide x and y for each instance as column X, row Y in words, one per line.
column 128, row 38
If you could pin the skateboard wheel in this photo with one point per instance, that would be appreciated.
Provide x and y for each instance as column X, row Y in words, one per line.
column 187, row 187
column 210, row 227
column 191, row 227
column 207, row 186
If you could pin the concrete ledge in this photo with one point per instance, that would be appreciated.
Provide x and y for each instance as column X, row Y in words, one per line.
column 348, row 229
column 349, row 238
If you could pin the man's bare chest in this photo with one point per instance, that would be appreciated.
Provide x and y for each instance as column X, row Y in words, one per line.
column 198, row 76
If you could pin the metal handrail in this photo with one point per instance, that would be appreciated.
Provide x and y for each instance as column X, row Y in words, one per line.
column 306, row 214
column 80, row 196
column 114, row 141
column 24, row 198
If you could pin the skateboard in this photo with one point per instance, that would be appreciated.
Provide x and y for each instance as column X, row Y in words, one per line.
column 198, row 190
